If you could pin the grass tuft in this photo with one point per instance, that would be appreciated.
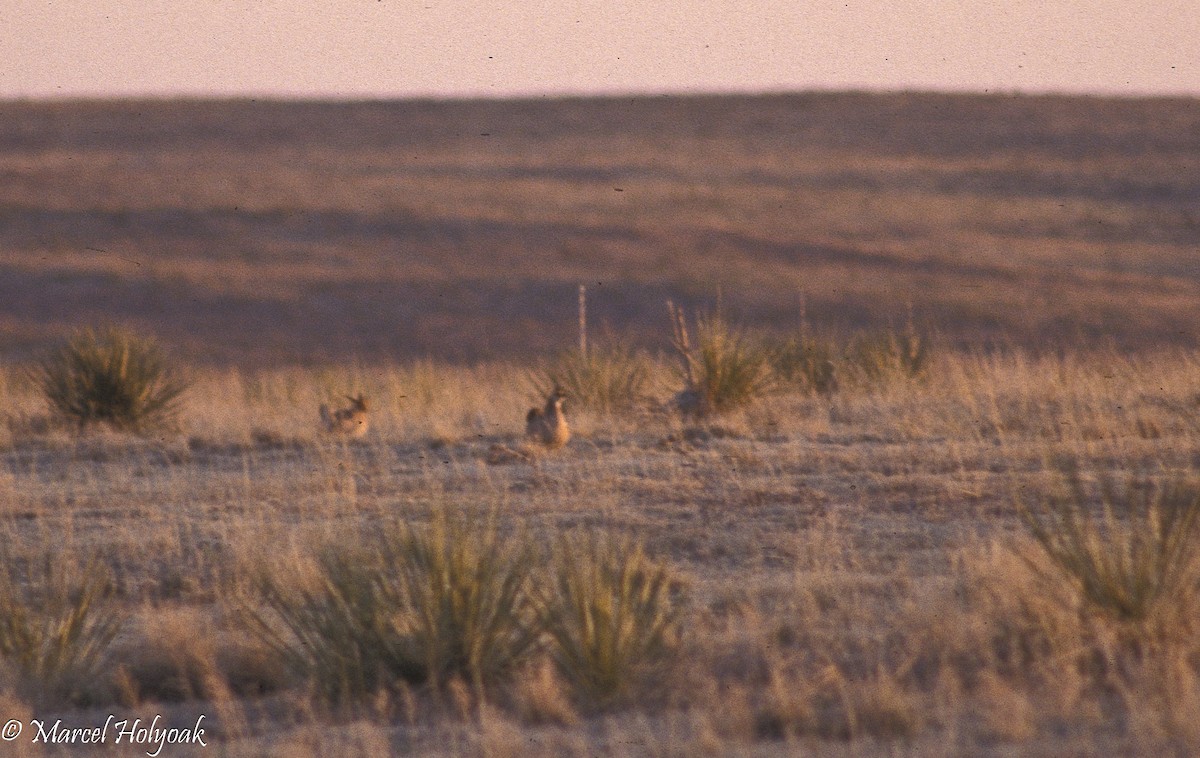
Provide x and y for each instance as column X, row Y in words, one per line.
column 605, row 381
column 1126, row 555
column 724, row 371
column 466, row 590
column 609, row 615
column 442, row 602
column 332, row 626
column 806, row 364
column 111, row 377
column 891, row 356
column 56, row 630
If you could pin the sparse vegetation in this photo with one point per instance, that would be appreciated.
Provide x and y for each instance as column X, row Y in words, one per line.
column 858, row 579
column 822, row 367
column 813, row 613
column 805, row 364
column 112, row 377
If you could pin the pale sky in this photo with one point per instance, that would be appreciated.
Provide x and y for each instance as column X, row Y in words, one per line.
column 388, row 48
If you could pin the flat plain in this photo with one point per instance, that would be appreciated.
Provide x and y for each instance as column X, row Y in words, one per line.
column 852, row 574
column 268, row 233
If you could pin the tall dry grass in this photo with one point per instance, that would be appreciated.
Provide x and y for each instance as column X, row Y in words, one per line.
column 605, row 380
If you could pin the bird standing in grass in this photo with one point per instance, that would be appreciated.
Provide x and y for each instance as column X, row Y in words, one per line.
column 350, row 422
column 549, row 425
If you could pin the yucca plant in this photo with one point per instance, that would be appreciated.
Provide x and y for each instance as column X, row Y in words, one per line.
column 111, row 377
column 602, row 380
column 55, row 630
column 724, row 370
column 1125, row 549
column 333, row 624
column 465, row 588
column 450, row 599
column 610, row 614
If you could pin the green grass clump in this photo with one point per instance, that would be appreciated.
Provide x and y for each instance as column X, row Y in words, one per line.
column 724, row 370
column 609, row 614
column 605, row 380
column 466, row 591
column 1131, row 552
column 334, row 625
column 55, row 631
column 111, row 377
column 450, row 599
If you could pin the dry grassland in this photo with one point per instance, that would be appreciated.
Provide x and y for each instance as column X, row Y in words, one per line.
column 851, row 565
column 851, row 573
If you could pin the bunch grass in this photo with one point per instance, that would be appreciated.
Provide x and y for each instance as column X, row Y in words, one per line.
column 333, row 626
column 56, row 629
column 610, row 615
column 430, row 603
column 890, row 356
column 725, row 370
column 806, row 364
column 112, row 377
column 1125, row 548
column 465, row 588
column 605, row 380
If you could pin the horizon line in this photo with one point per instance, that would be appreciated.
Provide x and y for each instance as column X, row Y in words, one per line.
column 583, row 94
